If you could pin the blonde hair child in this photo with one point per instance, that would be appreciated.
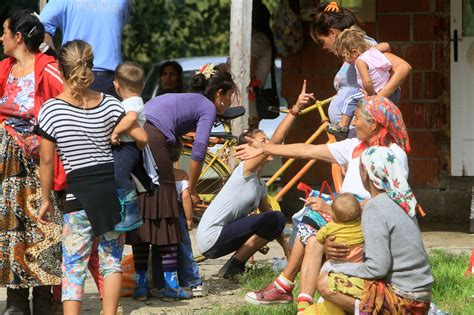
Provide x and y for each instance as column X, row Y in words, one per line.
column 373, row 67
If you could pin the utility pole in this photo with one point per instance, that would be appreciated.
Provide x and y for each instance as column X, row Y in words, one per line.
column 240, row 39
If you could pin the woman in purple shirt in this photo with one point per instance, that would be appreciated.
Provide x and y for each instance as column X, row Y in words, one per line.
column 168, row 117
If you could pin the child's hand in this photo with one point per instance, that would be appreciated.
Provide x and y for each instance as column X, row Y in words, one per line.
column 318, row 204
column 114, row 138
column 190, row 224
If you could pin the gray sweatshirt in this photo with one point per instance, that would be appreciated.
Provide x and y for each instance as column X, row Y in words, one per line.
column 393, row 248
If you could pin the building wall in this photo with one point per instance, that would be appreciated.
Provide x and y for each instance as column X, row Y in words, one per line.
column 417, row 31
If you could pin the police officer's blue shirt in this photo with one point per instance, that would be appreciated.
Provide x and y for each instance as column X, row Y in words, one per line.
column 98, row 22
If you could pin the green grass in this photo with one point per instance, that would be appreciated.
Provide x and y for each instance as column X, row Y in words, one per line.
column 452, row 292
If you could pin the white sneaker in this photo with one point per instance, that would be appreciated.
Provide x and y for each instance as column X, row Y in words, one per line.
column 199, row 291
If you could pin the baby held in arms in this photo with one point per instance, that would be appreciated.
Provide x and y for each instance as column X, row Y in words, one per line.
column 345, row 226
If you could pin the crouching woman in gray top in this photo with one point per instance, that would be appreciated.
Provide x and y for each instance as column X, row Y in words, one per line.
column 395, row 277
column 226, row 226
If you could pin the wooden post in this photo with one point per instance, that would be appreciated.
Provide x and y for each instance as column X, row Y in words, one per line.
column 240, row 37
column 41, row 5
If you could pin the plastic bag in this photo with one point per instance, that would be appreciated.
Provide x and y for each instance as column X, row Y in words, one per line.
column 128, row 276
column 318, row 218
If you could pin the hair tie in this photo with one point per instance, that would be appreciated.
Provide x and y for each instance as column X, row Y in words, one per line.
column 207, row 70
column 332, row 7
column 43, row 47
column 30, row 33
column 35, row 15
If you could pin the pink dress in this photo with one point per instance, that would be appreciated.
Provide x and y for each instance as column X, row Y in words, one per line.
column 379, row 68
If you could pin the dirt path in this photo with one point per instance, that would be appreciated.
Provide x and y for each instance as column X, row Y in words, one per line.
column 226, row 293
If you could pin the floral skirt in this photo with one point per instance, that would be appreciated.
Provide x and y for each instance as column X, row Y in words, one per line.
column 30, row 252
column 377, row 297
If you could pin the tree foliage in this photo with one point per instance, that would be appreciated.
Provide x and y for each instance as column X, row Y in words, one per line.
column 164, row 29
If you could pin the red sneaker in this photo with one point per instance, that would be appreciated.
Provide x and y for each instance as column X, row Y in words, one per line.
column 269, row 295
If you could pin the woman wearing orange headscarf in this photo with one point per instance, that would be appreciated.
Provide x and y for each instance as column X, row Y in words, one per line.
column 377, row 122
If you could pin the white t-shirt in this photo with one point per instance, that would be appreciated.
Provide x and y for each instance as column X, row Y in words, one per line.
column 342, row 153
column 133, row 104
column 181, row 185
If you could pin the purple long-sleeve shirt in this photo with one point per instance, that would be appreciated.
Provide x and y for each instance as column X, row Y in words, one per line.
column 176, row 114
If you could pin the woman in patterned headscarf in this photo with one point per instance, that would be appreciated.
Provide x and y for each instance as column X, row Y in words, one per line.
column 384, row 124
column 377, row 121
column 395, row 277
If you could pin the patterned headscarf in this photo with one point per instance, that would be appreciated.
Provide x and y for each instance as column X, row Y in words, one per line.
column 386, row 172
column 392, row 128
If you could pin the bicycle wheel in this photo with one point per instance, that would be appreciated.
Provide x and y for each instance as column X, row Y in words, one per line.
column 210, row 182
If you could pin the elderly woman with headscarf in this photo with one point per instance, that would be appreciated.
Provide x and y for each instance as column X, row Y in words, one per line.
column 395, row 277
column 377, row 122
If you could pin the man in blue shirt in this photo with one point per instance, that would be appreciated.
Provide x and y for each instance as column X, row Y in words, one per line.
column 98, row 22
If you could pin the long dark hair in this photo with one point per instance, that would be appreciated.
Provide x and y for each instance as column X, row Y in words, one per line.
column 179, row 70
column 221, row 79
column 325, row 19
column 261, row 22
column 30, row 27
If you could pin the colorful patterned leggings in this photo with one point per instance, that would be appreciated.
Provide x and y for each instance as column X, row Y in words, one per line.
column 77, row 241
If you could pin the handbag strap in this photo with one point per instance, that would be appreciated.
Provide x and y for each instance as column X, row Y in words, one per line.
column 323, row 185
column 273, row 76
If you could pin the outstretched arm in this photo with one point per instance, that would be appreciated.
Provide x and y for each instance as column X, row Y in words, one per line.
column 284, row 127
column 282, row 130
column 295, row 150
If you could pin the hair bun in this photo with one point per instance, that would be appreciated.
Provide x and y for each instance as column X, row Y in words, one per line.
column 198, row 82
